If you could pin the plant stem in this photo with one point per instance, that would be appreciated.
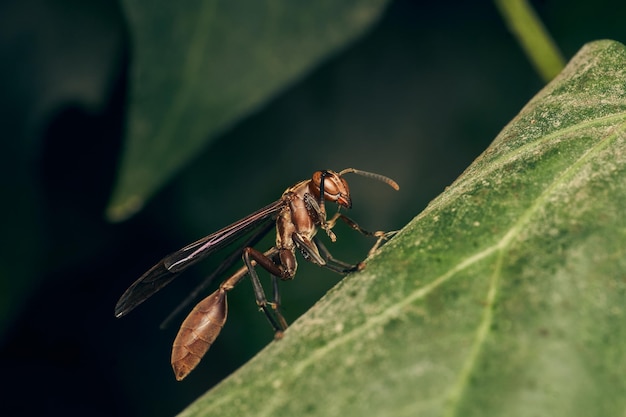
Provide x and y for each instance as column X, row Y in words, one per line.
column 535, row 40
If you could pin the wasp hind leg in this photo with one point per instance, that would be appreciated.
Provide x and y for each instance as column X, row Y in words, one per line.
column 271, row 309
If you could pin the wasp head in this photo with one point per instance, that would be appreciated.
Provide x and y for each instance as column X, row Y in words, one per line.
column 335, row 187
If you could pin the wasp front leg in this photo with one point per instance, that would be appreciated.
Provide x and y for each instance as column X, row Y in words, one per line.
column 334, row 264
column 318, row 212
column 380, row 235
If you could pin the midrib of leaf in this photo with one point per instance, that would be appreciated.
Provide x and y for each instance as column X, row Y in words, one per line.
column 487, row 317
column 455, row 395
column 567, row 173
column 481, row 335
column 526, row 149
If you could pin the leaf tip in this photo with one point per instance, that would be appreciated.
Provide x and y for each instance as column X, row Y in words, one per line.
column 119, row 211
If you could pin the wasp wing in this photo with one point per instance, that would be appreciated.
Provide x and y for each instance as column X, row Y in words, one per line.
column 251, row 240
column 173, row 264
column 200, row 249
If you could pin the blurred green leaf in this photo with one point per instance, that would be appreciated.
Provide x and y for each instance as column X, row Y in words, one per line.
column 198, row 67
column 506, row 296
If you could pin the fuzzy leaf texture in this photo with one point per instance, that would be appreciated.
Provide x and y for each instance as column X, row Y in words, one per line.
column 199, row 67
column 505, row 296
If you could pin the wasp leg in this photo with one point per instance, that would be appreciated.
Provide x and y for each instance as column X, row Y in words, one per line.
column 382, row 236
column 252, row 257
column 223, row 267
column 331, row 262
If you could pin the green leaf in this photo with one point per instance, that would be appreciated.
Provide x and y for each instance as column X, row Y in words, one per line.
column 199, row 66
column 506, row 296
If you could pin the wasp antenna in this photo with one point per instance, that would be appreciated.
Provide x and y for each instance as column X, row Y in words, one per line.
column 372, row 175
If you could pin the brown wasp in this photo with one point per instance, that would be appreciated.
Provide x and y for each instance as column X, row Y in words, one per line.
column 296, row 215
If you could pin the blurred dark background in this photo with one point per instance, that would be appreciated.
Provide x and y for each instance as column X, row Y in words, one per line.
column 417, row 98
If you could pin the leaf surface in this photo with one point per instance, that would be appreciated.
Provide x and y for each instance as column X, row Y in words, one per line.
column 505, row 296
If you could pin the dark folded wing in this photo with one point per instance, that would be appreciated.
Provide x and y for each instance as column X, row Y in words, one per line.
column 252, row 239
column 173, row 264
